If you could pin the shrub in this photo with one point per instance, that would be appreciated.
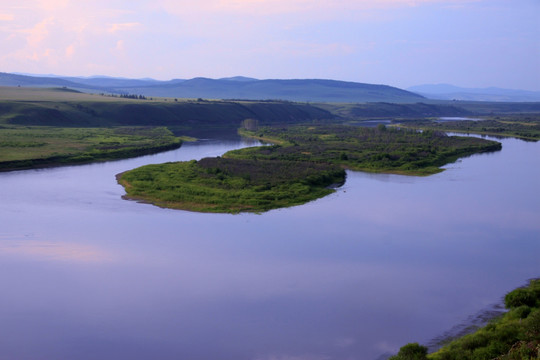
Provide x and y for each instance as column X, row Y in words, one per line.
column 412, row 351
column 520, row 312
column 532, row 325
column 520, row 297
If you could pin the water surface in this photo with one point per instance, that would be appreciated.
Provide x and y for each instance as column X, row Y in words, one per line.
column 385, row 260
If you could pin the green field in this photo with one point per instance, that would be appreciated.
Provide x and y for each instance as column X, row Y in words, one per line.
column 308, row 161
column 523, row 126
column 381, row 149
column 68, row 108
column 231, row 186
column 43, row 127
column 27, row 147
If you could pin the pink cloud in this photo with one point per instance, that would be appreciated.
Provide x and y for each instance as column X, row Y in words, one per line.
column 7, row 17
column 37, row 34
column 70, row 51
column 273, row 7
column 123, row 27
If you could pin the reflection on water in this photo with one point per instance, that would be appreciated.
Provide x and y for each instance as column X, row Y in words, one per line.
column 457, row 118
column 52, row 251
column 385, row 260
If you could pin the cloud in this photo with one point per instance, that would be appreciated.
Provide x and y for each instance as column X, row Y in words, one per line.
column 7, row 17
column 276, row 7
column 70, row 51
column 37, row 34
column 305, row 49
column 51, row 5
column 120, row 46
column 114, row 28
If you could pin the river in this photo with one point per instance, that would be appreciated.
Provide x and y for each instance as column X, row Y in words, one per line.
column 386, row 260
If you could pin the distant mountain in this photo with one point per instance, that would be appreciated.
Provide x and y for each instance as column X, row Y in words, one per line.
column 40, row 81
column 96, row 83
column 451, row 92
column 239, row 78
column 293, row 90
column 307, row 90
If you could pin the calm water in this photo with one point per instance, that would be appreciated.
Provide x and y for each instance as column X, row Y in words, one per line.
column 384, row 261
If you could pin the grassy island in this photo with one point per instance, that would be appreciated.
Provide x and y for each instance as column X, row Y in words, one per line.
column 231, row 185
column 23, row 147
column 513, row 336
column 523, row 126
column 308, row 161
column 381, row 149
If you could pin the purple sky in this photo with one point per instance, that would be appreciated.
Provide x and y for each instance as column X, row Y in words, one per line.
column 470, row 43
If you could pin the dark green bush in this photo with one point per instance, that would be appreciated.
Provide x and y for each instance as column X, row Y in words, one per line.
column 532, row 325
column 474, row 341
column 520, row 297
column 520, row 312
column 412, row 351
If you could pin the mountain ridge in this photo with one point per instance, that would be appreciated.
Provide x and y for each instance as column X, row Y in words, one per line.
column 452, row 92
column 237, row 87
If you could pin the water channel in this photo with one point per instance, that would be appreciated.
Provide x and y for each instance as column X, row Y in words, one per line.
column 384, row 261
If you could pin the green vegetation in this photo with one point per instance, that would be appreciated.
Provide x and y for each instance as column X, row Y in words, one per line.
column 307, row 162
column 61, row 107
column 44, row 127
column 227, row 185
column 367, row 149
column 387, row 110
column 514, row 336
column 427, row 109
column 29, row 147
column 524, row 126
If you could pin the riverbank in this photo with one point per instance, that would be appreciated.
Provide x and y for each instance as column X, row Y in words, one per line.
column 378, row 150
column 230, row 186
column 521, row 126
column 303, row 168
column 39, row 147
column 513, row 335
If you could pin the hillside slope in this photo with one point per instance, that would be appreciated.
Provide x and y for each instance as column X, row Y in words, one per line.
column 63, row 107
column 451, row 92
column 307, row 90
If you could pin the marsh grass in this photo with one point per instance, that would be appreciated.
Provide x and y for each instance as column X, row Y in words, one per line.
column 34, row 146
column 381, row 149
column 231, row 185
column 523, row 126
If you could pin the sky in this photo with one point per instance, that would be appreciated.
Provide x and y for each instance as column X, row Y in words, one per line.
column 469, row 43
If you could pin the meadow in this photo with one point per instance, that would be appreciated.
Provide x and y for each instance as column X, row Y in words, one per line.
column 37, row 146
column 231, row 186
column 308, row 161
column 381, row 149
column 522, row 126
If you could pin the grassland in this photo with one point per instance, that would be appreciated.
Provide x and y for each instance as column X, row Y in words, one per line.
column 427, row 109
column 68, row 108
column 379, row 149
column 44, row 127
column 230, row 186
column 30, row 147
column 523, row 126
column 301, row 169
column 513, row 336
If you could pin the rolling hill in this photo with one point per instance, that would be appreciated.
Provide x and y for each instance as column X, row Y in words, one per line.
column 451, row 92
column 303, row 90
